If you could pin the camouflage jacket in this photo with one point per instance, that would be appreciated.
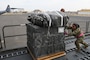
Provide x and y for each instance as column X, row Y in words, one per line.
column 75, row 33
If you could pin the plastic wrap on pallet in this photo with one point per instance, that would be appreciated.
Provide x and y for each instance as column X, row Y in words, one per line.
column 43, row 39
column 42, row 19
column 38, row 19
column 45, row 50
column 59, row 47
column 41, row 44
column 37, row 29
column 40, row 39
column 45, row 34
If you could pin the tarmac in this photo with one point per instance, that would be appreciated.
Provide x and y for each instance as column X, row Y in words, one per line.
column 17, row 19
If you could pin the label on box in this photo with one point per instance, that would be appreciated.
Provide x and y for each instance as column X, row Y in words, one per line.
column 60, row 29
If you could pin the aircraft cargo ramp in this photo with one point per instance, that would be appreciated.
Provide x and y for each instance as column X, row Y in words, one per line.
column 71, row 54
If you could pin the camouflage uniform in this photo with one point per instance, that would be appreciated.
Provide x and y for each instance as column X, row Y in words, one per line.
column 80, row 39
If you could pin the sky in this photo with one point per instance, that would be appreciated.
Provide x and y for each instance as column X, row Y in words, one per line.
column 46, row 5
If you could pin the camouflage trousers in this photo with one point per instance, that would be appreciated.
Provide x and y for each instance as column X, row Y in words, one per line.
column 78, row 41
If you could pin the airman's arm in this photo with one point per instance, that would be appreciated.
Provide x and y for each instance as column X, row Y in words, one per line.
column 74, row 32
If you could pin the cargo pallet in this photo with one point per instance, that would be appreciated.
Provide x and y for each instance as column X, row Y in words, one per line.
column 48, row 57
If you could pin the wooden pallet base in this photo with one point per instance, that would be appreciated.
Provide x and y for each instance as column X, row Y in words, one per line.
column 49, row 57
column 52, row 56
